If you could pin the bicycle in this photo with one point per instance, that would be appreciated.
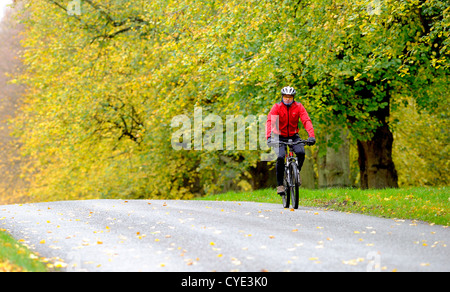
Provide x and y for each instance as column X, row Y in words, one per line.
column 291, row 175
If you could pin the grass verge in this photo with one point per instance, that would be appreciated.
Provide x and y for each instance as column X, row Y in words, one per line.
column 15, row 257
column 431, row 205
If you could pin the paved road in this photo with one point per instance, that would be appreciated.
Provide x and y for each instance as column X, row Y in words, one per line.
column 117, row 235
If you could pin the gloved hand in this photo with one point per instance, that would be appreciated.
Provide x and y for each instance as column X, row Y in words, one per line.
column 272, row 141
column 269, row 141
column 311, row 141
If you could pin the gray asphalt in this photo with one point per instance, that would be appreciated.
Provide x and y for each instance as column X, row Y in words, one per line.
column 184, row 236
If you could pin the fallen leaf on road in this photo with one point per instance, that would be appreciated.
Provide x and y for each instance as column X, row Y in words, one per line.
column 235, row 261
column 353, row 262
column 59, row 264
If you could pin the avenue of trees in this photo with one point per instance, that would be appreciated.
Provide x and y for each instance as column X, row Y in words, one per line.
column 104, row 80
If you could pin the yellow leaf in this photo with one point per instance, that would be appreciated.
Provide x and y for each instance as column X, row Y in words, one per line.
column 60, row 264
column 42, row 241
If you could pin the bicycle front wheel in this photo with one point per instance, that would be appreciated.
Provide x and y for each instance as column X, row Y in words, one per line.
column 287, row 191
column 294, row 185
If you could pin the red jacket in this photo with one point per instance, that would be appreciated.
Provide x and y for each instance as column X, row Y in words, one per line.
column 288, row 120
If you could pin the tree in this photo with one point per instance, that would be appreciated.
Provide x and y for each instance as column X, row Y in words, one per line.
column 362, row 57
column 106, row 83
column 10, row 99
column 421, row 151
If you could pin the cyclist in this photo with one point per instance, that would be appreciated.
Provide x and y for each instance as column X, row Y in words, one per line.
column 282, row 121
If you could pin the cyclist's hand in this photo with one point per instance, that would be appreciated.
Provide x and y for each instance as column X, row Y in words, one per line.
column 272, row 142
column 311, row 141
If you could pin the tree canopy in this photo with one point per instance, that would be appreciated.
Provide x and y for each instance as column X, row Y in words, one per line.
column 105, row 82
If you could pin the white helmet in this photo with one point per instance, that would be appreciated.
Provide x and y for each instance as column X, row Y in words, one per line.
column 288, row 91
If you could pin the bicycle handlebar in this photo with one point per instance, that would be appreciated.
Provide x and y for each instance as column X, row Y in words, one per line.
column 291, row 143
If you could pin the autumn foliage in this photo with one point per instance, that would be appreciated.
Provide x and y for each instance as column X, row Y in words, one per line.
column 104, row 84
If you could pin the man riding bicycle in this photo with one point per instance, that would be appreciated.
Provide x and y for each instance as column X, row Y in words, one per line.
column 282, row 123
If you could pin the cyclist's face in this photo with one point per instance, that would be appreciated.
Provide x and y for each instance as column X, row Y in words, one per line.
column 288, row 99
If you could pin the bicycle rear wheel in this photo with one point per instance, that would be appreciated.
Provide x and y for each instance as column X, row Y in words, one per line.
column 294, row 183
column 286, row 196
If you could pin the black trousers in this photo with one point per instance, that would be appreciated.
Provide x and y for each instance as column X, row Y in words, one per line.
column 299, row 151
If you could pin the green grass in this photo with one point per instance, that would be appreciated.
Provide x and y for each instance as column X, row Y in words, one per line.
column 425, row 204
column 14, row 257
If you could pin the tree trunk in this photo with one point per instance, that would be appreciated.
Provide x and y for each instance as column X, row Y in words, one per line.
column 321, row 167
column 338, row 163
column 261, row 176
column 307, row 173
column 376, row 166
column 334, row 167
